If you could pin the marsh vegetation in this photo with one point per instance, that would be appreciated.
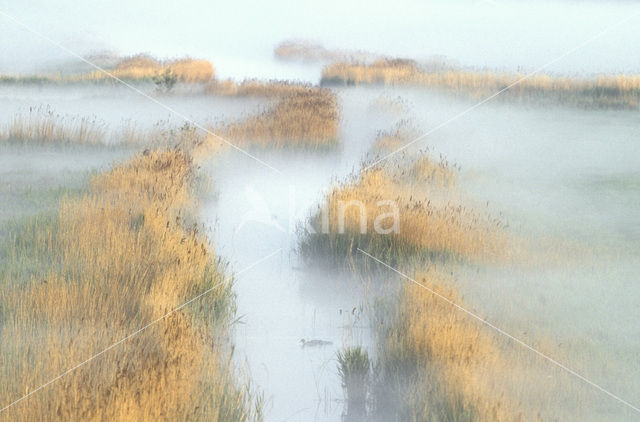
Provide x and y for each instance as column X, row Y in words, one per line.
column 137, row 68
column 608, row 91
column 108, row 262
column 429, row 356
column 119, row 299
column 425, row 217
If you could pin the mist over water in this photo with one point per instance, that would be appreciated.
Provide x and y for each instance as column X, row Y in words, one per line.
column 284, row 299
column 566, row 180
column 239, row 36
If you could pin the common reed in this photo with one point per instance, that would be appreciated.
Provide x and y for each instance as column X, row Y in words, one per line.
column 397, row 106
column 391, row 140
column 400, row 212
column 110, row 262
column 615, row 91
column 140, row 67
column 301, row 116
column 312, row 52
column 146, row 67
column 42, row 125
column 354, row 368
column 257, row 88
column 435, row 363
column 381, row 71
column 304, row 50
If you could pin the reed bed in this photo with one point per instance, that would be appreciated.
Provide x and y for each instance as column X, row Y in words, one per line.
column 302, row 116
column 397, row 106
column 141, row 67
column 42, row 125
column 313, row 52
column 257, row 88
column 109, row 262
column 354, row 367
column 615, row 91
column 303, row 50
column 431, row 221
column 392, row 140
column 435, row 363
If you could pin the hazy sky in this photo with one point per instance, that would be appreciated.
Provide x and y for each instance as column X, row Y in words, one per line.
column 238, row 36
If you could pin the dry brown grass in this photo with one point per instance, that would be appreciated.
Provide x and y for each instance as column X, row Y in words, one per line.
column 618, row 91
column 146, row 67
column 45, row 126
column 396, row 106
column 304, row 50
column 434, row 363
column 433, row 220
column 308, row 118
column 140, row 67
column 109, row 263
column 311, row 52
column 381, row 71
column 438, row 364
column 302, row 115
column 391, row 140
column 191, row 70
column 258, row 88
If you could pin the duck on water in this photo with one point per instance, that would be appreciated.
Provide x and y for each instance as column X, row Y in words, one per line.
column 314, row 343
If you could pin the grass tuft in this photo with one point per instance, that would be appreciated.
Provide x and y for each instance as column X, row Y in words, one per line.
column 137, row 68
column 435, row 364
column 301, row 116
column 431, row 222
column 611, row 91
column 109, row 262
column 353, row 368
